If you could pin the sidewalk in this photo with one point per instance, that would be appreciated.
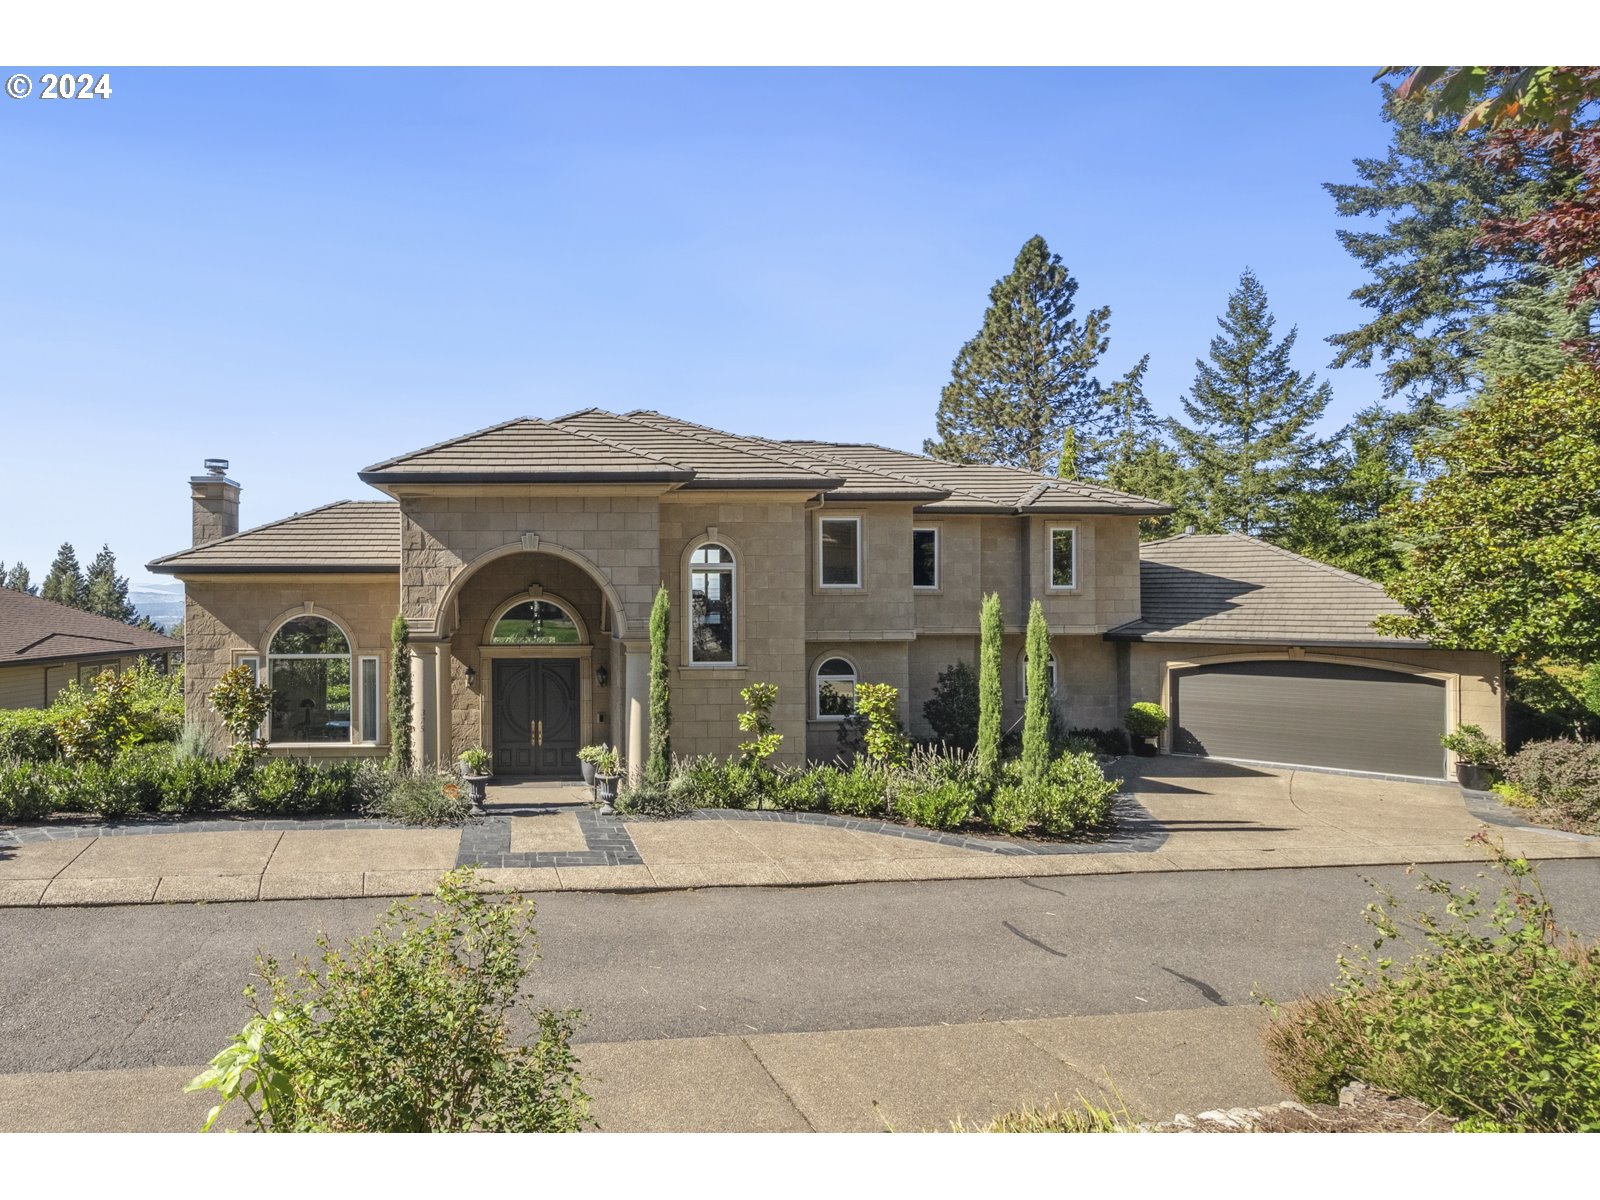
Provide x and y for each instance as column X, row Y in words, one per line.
column 1181, row 815
column 867, row 1080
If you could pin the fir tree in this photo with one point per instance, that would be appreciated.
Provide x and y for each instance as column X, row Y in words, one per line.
column 991, row 696
column 1027, row 378
column 1039, row 703
column 1249, row 442
column 64, row 584
column 105, row 592
column 1138, row 459
column 1532, row 333
column 19, row 580
column 659, row 766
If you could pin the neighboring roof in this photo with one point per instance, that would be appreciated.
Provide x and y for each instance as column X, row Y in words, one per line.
column 970, row 488
column 34, row 631
column 1230, row 588
column 346, row 536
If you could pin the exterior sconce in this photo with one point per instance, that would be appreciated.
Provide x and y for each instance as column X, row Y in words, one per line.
column 472, row 676
column 602, row 675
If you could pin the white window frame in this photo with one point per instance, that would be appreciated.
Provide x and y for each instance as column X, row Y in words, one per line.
column 253, row 661
column 816, row 687
column 821, row 581
column 1050, row 558
column 731, row 569
column 350, row 645
column 373, row 736
column 938, row 567
column 1055, row 673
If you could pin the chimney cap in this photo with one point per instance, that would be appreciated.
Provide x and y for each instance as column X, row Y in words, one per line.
column 1189, row 530
column 216, row 466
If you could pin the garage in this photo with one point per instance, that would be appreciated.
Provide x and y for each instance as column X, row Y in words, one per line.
column 1311, row 714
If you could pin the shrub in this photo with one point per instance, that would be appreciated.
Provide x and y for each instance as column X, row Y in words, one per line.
column 243, row 705
column 191, row 743
column 1076, row 796
column 371, row 781
column 197, row 784
column 651, row 799
column 1563, row 778
column 427, row 797
column 406, row 1030
column 1111, row 742
column 1145, row 720
column 796, row 789
column 29, row 734
column 878, row 705
column 1471, row 744
column 1494, row 1018
column 1011, row 808
column 593, row 753
column 934, row 804
column 952, row 711
column 861, row 790
column 25, row 792
column 97, row 724
column 756, row 720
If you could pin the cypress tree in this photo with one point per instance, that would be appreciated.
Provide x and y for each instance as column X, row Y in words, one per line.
column 991, row 696
column 1036, row 712
column 64, row 584
column 1028, row 376
column 659, row 767
column 400, row 694
column 105, row 592
column 1250, row 442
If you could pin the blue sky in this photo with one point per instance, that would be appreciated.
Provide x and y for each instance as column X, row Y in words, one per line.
column 305, row 271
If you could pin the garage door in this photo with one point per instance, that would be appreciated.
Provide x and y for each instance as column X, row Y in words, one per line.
column 1315, row 714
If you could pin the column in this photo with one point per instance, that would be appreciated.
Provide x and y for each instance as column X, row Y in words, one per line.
column 637, row 707
column 424, row 704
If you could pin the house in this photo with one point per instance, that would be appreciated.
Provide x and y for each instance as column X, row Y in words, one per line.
column 44, row 646
column 525, row 558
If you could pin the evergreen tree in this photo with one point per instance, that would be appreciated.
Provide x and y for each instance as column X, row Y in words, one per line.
column 19, row 580
column 659, row 767
column 1433, row 286
column 1249, row 444
column 105, row 592
column 1039, row 703
column 1028, row 376
column 1532, row 333
column 65, row 584
column 400, row 758
column 1138, row 459
column 991, row 695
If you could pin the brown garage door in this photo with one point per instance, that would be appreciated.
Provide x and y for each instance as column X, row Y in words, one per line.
column 1315, row 714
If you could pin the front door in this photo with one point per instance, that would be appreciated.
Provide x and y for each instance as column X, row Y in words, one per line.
column 536, row 716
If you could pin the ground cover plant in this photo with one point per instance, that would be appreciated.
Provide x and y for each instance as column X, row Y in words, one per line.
column 1494, row 1019
column 405, row 1030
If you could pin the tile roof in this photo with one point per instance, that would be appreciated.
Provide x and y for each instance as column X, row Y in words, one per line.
column 346, row 536
column 717, row 459
column 529, row 450
column 1231, row 588
column 34, row 630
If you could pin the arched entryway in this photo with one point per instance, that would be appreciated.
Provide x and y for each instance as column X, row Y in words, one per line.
column 538, row 653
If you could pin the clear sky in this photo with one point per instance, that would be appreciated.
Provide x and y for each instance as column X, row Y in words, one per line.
column 306, row 271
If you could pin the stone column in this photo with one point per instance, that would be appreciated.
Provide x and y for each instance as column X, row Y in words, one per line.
column 637, row 707
column 424, row 703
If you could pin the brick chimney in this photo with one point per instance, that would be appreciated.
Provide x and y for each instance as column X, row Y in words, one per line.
column 216, row 503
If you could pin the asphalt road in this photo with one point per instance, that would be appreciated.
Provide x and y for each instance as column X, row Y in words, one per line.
column 159, row 985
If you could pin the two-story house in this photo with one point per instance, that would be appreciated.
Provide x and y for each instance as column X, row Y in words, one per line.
column 525, row 558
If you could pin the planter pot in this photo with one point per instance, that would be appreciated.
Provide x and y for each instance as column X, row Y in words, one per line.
column 588, row 772
column 1476, row 778
column 1143, row 747
column 605, row 790
column 475, row 787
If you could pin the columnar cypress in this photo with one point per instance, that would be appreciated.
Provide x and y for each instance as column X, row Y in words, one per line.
column 659, row 766
column 400, row 694
column 1036, row 713
column 990, row 695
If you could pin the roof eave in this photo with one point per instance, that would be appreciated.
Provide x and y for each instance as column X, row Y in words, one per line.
column 176, row 567
column 652, row 475
column 1125, row 633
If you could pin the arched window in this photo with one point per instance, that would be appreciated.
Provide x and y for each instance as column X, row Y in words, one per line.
column 536, row 623
column 309, row 670
column 836, row 690
column 711, row 605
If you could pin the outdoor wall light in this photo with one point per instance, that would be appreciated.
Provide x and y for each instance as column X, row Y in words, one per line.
column 601, row 675
column 472, row 676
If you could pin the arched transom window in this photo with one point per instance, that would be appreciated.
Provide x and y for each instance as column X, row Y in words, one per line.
column 711, row 605
column 309, row 671
column 536, row 623
column 836, row 689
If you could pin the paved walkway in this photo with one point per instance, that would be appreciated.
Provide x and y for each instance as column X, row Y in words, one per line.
column 1180, row 814
column 867, row 1080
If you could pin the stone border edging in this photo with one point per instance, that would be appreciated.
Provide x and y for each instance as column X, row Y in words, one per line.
column 1488, row 806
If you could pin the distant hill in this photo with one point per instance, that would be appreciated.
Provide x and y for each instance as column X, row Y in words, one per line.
column 161, row 602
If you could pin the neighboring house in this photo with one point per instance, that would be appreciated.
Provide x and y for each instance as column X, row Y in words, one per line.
column 525, row 558
column 44, row 646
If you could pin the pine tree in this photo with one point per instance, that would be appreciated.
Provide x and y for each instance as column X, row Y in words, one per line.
column 1249, row 441
column 991, row 696
column 19, row 580
column 659, row 766
column 1028, row 376
column 1138, row 459
column 1037, row 709
column 105, row 592
column 64, row 584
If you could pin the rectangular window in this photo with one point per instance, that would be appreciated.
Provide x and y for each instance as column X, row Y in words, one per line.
column 369, row 701
column 925, row 558
column 839, row 548
column 1063, row 558
column 310, row 698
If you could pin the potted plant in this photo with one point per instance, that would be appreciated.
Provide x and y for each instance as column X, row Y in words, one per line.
column 587, row 757
column 476, row 772
column 1145, row 721
column 1480, row 760
column 607, row 771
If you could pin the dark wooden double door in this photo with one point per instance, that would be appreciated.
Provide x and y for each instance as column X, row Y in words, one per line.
column 537, row 711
